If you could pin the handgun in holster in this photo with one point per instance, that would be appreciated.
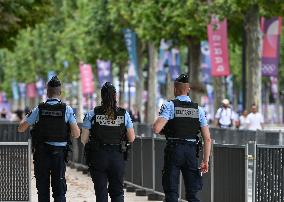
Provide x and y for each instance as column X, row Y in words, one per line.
column 124, row 148
column 198, row 146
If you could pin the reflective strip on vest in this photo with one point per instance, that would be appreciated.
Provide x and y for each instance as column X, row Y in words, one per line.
column 103, row 121
column 51, row 113
column 181, row 112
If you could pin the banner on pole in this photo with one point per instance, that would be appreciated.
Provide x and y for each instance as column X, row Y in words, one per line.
column 130, row 41
column 271, row 29
column 15, row 90
column 104, row 71
column 22, row 89
column 174, row 63
column 169, row 60
column 87, row 79
column 40, row 87
column 31, row 90
column 205, row 63
column 218, row 44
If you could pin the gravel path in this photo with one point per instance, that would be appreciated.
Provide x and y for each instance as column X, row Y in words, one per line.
column 80, row 189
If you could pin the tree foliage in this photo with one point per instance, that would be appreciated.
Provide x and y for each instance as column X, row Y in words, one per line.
column 87, row 30
column 77, row 31
column 15, row 15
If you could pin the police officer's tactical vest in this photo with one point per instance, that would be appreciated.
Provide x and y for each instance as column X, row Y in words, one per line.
column 107, row 131
column 51, row 126
column 185, row 124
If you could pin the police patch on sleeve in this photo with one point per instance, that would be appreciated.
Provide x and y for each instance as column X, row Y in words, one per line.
column 85, row 117
column 29, row 114
column 163, row 108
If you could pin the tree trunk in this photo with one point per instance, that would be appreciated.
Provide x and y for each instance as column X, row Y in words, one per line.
column 140, row 81
column 121, row 85
column 169, row 87
column 194, row 53
column 253, row 51
column 219, row 91
column 151, row 102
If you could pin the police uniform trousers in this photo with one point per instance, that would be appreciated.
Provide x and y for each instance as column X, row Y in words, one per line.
column 49, row 161
column 107, row 168
column 181, row 156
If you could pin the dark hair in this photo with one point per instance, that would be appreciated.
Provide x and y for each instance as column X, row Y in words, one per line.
column 53, row 87
column 108, row 94
column 53, row 91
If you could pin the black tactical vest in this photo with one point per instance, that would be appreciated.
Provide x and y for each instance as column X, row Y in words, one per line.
column 51, row 126
column 185, row 124
column 106, row 131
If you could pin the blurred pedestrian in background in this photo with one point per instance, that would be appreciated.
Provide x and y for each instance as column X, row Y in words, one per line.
column 244, row 121
column 135, row 114
column 17, row 115
column 255, row 119
column 3, row 114
column 225, row 115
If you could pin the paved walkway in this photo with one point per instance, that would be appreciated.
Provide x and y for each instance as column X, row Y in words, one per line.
column 80, row 189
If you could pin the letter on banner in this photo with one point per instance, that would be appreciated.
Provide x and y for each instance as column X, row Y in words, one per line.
column 87, row 79
column 218, row 44
column 271, row 29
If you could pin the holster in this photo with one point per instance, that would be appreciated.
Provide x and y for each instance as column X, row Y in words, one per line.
column 124, row 148
column 198, row 146
column 66, row 152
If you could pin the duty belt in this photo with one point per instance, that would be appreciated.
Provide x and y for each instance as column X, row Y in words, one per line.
column 172, row 139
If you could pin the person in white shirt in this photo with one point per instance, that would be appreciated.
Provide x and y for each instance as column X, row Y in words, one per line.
column 225, row 115
column 244, row 121
column 255, row 119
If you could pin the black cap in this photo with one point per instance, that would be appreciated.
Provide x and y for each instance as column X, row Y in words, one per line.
column 183, row 78
column 54, row 82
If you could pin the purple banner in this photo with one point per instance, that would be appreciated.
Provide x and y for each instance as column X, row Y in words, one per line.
column 40, row 86
column 274, row 86
column 22, row 90
column 163, row 62
column 130, row 41
column 175, row 63
column 104, row 71
column 271, row 29
column 205, row 63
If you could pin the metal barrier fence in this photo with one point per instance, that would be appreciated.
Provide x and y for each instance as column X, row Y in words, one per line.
column 8, row 133
column 230, row 173
column 228, row 176
column 269, row 173
column 219, row 183
column 15, row 171
column 243, row 137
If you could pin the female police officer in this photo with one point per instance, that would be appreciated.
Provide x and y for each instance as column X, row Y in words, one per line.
column 105, row 128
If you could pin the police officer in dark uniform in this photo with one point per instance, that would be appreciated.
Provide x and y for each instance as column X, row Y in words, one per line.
column 105, row 130
column 53, row 121
column 180, row 120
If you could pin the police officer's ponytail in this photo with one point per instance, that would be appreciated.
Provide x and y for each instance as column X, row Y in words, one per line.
column 108, row 94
